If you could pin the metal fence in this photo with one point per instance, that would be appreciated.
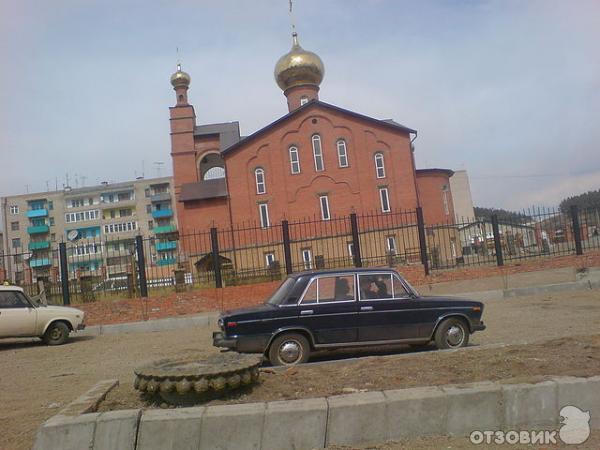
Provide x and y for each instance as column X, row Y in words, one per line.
column 94, row 269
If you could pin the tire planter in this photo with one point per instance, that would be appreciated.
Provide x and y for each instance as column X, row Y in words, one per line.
column 187, row 381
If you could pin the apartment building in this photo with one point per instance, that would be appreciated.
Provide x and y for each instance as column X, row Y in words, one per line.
column 98, row 223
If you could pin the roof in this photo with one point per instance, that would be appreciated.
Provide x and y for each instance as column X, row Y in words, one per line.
column 346, row 270
column 388, row 123
column 10, row 288
column 229, row 133
column 432, row 171
column 203, row 190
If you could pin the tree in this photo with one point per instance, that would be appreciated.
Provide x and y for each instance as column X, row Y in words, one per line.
column 503, row 215
column 588, row 200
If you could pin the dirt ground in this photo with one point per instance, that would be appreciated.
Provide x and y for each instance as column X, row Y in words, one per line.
column 36, row 381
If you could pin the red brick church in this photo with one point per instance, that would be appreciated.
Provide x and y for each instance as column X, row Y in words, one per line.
column 319, row 160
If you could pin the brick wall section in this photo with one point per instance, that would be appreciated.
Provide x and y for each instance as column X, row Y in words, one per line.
column 204, row 300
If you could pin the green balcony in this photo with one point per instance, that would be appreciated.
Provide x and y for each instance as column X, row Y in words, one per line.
column 41, row 262
column 164, row 246
column 165, row 229
column 41, row 245
column 38, row 229
column 166, row 262
column 35, row 213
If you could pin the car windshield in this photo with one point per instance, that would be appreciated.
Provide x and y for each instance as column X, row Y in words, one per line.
column 281, row 293
column 411, row 287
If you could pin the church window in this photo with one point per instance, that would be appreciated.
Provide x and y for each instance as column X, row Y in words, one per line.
column 317, row 153
column 303, row 100
column 324, row 200
column 261, row 187
column 263, row 211
column 379, row 165
column 294, row 160
column 385, row 199
column 342, row 153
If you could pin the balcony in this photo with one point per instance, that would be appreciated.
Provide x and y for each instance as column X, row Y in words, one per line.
column 41, row 245
column 38, row 229
column 162, row 213
column 35, row 213
column 162, row 197
column 166, row 262
column 165, row 229
column 41, row 262
column 164, row 246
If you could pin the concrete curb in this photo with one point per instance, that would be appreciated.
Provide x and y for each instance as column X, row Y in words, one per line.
column 175, row 323
column 361, row 418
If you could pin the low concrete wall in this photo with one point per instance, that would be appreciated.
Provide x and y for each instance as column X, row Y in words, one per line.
column 360, row 418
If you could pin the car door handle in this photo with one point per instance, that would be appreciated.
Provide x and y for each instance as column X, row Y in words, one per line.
column 366, row 308
column 306, row 312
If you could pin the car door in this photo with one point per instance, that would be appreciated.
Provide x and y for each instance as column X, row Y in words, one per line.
column 387, row 312
column 17, row 316
column 328, row 309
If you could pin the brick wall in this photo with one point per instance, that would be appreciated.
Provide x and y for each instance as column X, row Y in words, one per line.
column 194, row 302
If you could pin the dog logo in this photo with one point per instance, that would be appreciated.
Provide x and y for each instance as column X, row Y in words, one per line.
column 575, row 423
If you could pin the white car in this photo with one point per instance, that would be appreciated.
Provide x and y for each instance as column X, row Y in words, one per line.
column 20, row 316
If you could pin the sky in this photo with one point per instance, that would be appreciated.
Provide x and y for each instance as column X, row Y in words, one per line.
column 507, row 90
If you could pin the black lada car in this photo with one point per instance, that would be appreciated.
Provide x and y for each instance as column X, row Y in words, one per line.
column 346, row 308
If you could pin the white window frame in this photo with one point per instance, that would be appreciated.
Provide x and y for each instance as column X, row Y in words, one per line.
column 259, row 176
column 387, row 198
column 342, row 151
column 294, row 160
column 379, row 165
column 445, row 200
column 263, row 213
column 307, row 260
column 269, row 259
column 318, row 153
column 351, row 249
column 303, row 100
column 325, row 211
column 390, row 242
column 14, row 210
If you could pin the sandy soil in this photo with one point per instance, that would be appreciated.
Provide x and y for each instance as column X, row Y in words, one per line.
column 36, row 381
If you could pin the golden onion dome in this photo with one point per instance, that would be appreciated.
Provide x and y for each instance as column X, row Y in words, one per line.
column 298, row 67
column 180, row 78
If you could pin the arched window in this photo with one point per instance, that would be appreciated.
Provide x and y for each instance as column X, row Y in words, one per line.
column 303, row 100
column 214, row 173
column 211, row 166
column 317, row 153
column 294, row 160
column 259, row 174
column 379, row 165
column 342, row 153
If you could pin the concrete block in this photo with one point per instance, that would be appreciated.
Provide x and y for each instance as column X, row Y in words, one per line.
column 233, row 427
column 421, row 411
column 474, row 406
column 295, row 424
column 584, row 393
column 530, row 406
column 67, row 433
column 117, row 430
column 356, row 418
column 170, row 429
column 89, row 401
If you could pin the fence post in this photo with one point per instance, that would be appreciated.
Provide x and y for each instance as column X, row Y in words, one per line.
column 422, row 239
column 287, row 251
column 355, row 240
column 214, row 242
column 141, row 265
column 64, row 273
column 576, row 229
column 497, row 242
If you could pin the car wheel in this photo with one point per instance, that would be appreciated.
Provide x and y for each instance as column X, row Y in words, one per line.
column 452, row 333
column 289, row 349
column 56, row 334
